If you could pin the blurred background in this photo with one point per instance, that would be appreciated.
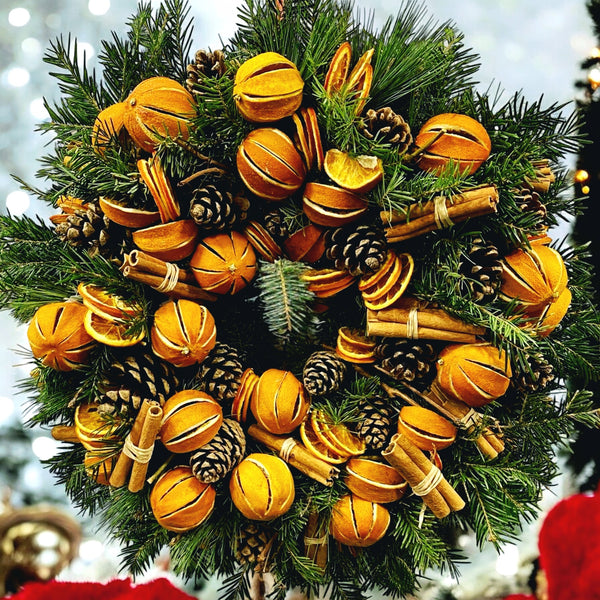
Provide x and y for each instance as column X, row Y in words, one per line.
column 524, row 45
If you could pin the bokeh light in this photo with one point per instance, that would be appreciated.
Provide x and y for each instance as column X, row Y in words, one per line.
column 99, row 7
column 17, row 202
column 19, row 17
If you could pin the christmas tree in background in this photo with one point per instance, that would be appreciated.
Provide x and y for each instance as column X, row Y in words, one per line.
column 297, row 311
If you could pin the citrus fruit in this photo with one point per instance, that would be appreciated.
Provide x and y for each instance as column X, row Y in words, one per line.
column 358, row 174
column 127, row 216
column 94, row 427
column 314, row 445
column 382, row 295
column 355, row 347
column 338, row 68
column 111, row 332
column 104, row 304
column 337, row 436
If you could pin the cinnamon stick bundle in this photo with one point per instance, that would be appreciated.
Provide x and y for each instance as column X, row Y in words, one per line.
column 163, row 276
column 423, row 476
column 544, row 176
column 438, row 213
column 411, row 318
column 296, row 454
column 316, row 537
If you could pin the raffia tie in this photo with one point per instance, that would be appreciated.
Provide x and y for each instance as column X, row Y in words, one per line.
column 137, row 454
column 313, row 541
column 429, row 482
column 470, row 419
column 440, row 213
column 412, row 324
column 171, row 278
column 286, row 448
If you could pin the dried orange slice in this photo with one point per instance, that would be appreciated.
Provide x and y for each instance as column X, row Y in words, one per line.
column 155, row 178
column 110, row 331
column 370, row 280
column 359, row 174
column 316, row 446
column 377, row 301
column 314, row 135
column 338, row 68
column 355, row 347
column 170, row 241
column 105, row 304
column 360, row 80
column 327, row 282
column 387, row 280
column 94, row 428
column 128, row 216
column 336, row 436
column 241, row 402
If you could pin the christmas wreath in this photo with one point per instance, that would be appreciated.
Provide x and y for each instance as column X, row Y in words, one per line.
column 298, row 310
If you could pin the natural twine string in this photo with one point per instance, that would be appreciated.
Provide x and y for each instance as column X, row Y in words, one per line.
column 311, row 541
column 440, row 213
column 137, row 454
column 429, row 482
column 286, row 448
column 171, row 278
column 412, row 324
column 470, row 419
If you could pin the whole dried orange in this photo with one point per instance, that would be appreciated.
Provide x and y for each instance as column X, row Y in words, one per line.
column 107, row 126
column 57, row 335
column 358, row 174
column 358, row 522
column 330, row 205
column 425, row 428
column 373, row 480
column 224, row 263
column 170, row 241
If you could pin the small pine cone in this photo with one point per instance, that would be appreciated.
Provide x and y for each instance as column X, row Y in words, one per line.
column 207, row 64
column 482, row 269
column 529, row 200
column 359, row 250
column 406, row 360
column 134, row 378
column 253, row 538
column 375, row 422
column 385, row 126
column 214, row 460
column 213, row 209
column 534, row 379
column 275, row 224
column 219, row 374
column 323, row 373
column 87, row 228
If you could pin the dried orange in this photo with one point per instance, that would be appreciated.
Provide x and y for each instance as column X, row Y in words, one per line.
column 262, row 241
column 355, row 347
column 57, row 335
column 267, row 88
column 367, row 281
column 224, row 263
column 94, row 427
column 306, row 244
column 336, row 436
column 154, row 176
column 338, row 68
column 451, row 137
column 105, row 304
column 358, row 522
column 390, row 288
column 331, row 206
column 107, row 126
column 360, row 80
column 373, row 480
column 157, row 108
column 127, row 216
column 553, row 314
column 324, row 283
column 358, row 174
column 111, row 332
column 314, row 445
column 243, row 396
column 170, row 241
column 425, row 428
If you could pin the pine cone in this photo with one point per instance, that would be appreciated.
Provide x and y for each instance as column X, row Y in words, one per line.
column 529, row 200
column 214, row 460
column 375, row 422
column 385, row 126
column 275, row 224
column 359, row 250
column 253, row 538
column 323, row 373
column 87, row 229
column 134, row 378
column 207, row 64
column 219, row 374
column 406, row 360
column 535, row 378
column 213, row 209
column 482, row 269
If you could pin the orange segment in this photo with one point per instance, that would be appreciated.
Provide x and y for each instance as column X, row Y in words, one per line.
column 336, row 436
column 126, row 215
column 316, row 446
column 358, row 174
column 105, row 304
column 111, row 332
column 389, row 294
column 355, row 347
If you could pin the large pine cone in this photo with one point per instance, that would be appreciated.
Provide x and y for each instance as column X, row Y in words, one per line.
column 136, row 377
column 358, row 249
column 323, row 373
column 385, row 126
column 482, row 269
column 213, row 209
column 375, row 422
column 406, row 360
column 207, row 64
column 219, row 374
column 213, row 461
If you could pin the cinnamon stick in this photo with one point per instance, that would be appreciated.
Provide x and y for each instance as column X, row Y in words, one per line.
column 65, row 433
column 544, row 176
column 316, row 539
column 296, row 454
column 150, row 430
column 414, row 475
column 180, row 290
column 419, row 219
column 122, row 468
column 155, row 266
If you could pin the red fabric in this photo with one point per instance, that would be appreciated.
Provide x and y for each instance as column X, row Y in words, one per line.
column 520, row 597
column 118, row 589
column 569, row 545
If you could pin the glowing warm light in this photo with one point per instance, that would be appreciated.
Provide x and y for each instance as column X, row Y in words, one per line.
column 38, row 109
column 18, row 17
column 595, row 53
column 17, row 77
column 585, row 189
column 99, row 7
column 44, row 447
column 17, row 202
column 507, row 563
column 594, row 77
column 581, row 175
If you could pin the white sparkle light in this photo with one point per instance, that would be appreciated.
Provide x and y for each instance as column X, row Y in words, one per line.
column 18, row 17
column 44, row 447
column 37, row 109
column 17, row 202
column 31, row 46
column 99, row 7
column 507, row 563
column 17, row 76
column 91, row 550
